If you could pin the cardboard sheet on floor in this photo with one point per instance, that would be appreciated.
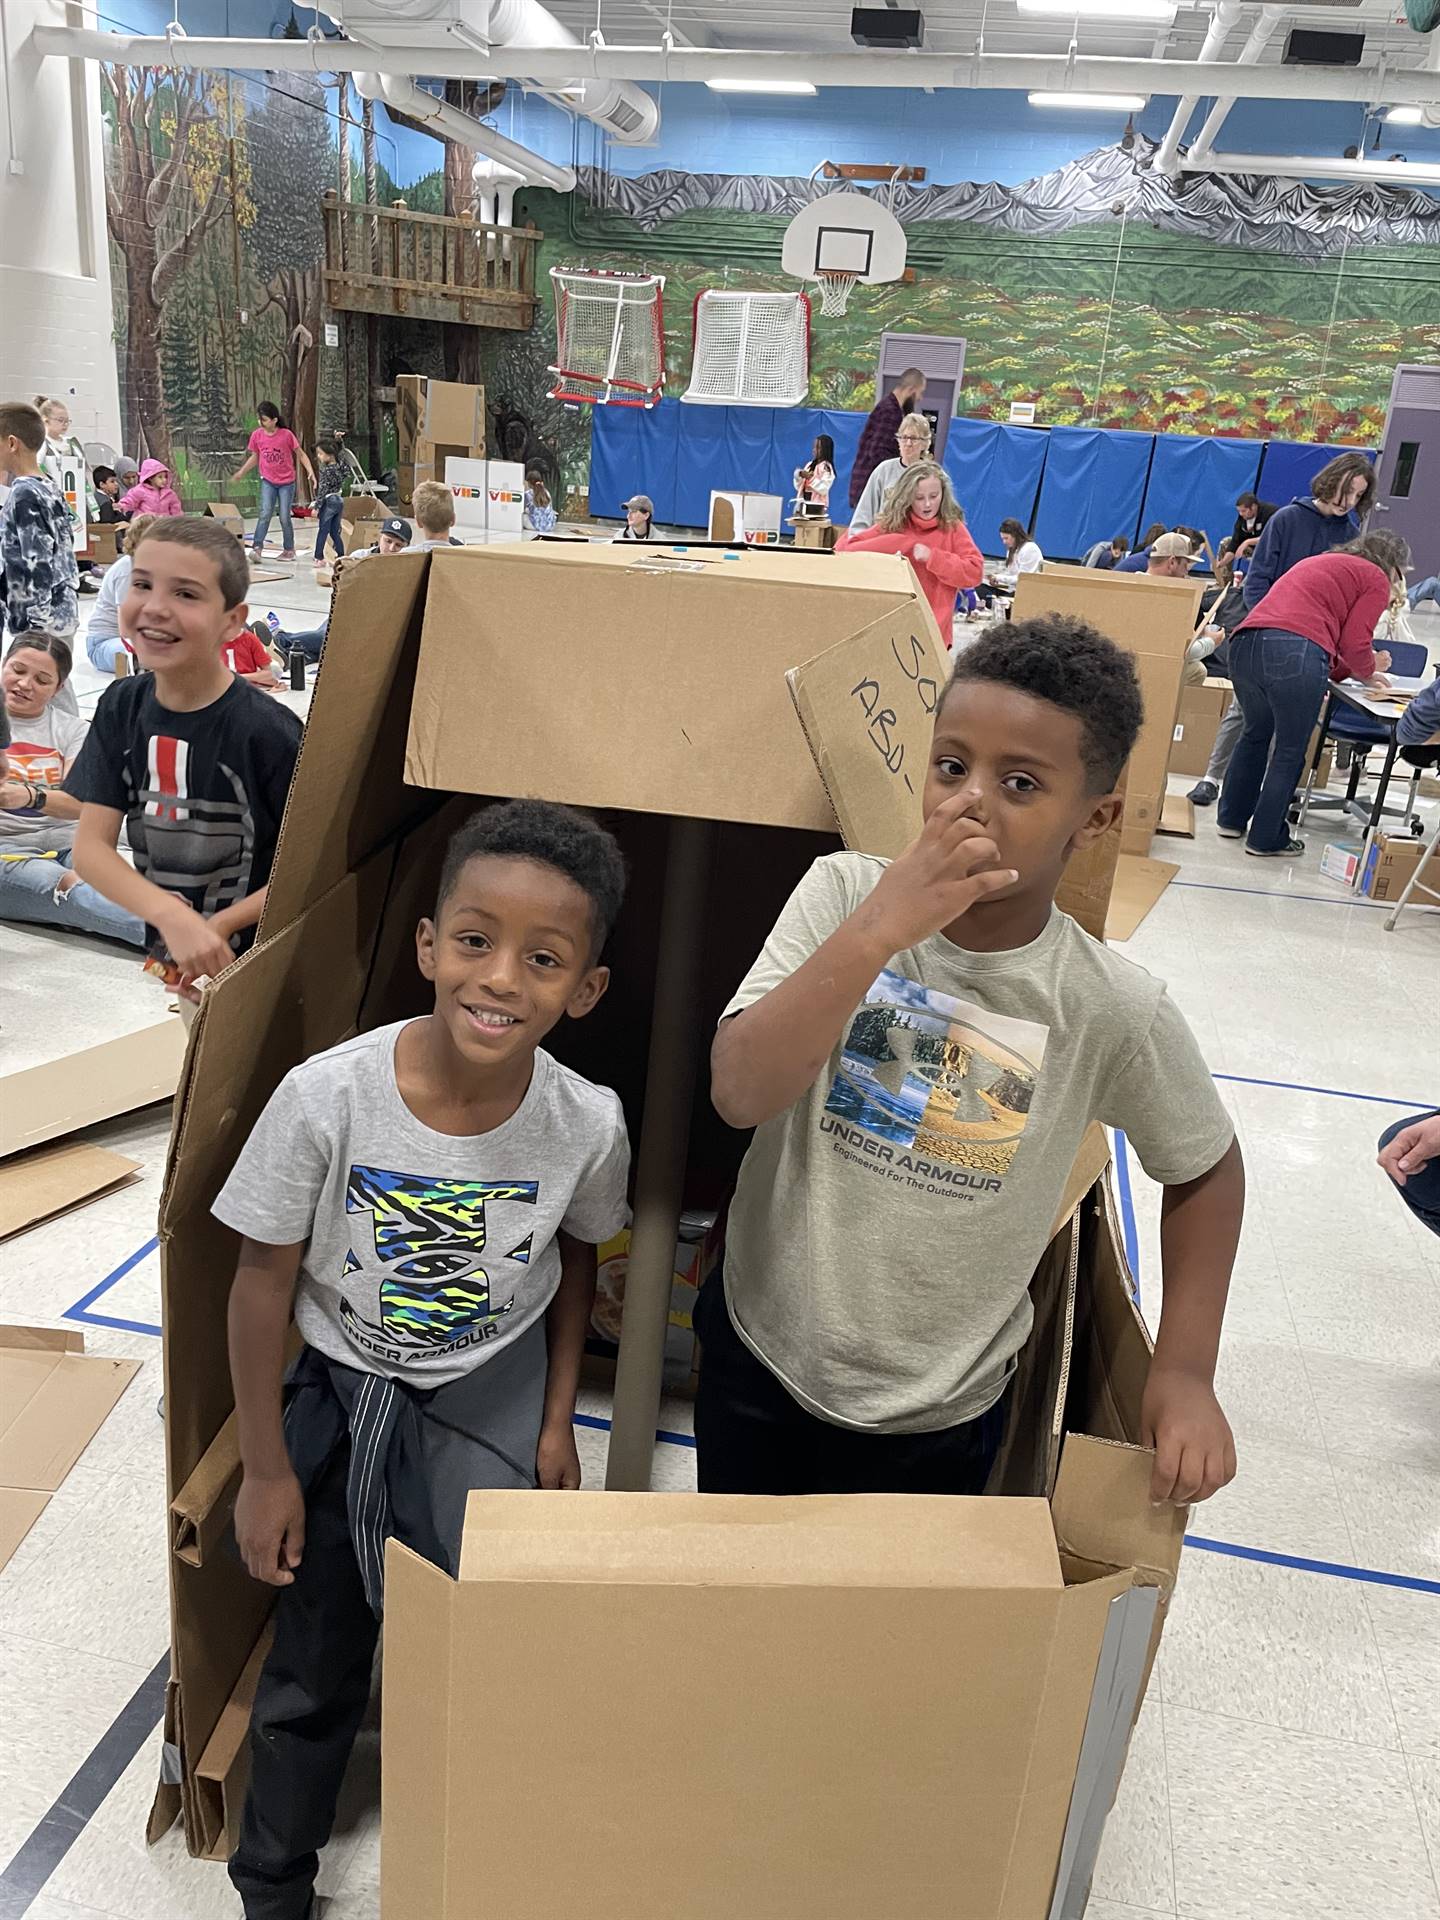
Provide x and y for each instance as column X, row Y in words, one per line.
column 1177, row 816
column 1138, row 885
column 54, row 1398
column 39, row 1185
column 57, row 1097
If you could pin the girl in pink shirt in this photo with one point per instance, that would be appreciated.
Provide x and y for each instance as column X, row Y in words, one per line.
column 275, row 450
column 920, row 518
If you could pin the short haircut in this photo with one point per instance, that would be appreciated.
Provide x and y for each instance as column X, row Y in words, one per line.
column 1193, row 535
column 1121, row 543
column 137, row 530
column 101, row 474
column 910, row 376
column 19, row 418
column 1333, row 475
column 1016, row 528
column 570, row 842
column 51, row 643
column 1248, row 500
column 1062, row 659
column 433, row 505
column 202, row 536
column 1387, row 550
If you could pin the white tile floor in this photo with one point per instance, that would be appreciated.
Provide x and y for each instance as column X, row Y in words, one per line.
column 1287, row 1765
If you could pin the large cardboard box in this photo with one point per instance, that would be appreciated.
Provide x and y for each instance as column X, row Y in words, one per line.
column 489, row 494
column 103, row 539
column 735, row 706
column 752, row 517
column 360, row 520
column 1155, row 621
column 467, row 481
column 446, row 413
column 1196, row 725
column 1390, row 860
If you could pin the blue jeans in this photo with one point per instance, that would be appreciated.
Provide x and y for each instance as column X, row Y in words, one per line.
column 28, row 879
column 1280, row 680
column 1421, row 1191
column 328, row 526
column 310, row 640
column 271, row 498
column 1426, row 589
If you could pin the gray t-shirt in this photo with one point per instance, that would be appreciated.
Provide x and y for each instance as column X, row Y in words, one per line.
column 885, row 1228
column 427, row 1252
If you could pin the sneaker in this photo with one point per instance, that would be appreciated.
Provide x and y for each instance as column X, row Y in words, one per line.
column 1204, row 793
column 1231, row 833
column 88, row 583
column 288, row 553
column 1291, row 847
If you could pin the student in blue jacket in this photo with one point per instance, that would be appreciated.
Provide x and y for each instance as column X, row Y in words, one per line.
column 1340, row 495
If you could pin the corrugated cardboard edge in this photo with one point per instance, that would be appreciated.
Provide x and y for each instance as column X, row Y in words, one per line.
column 20, row 1508
column 416, row 1695
column 1177, row 816
column 1139, row 883
column 48, row 1432
column 222, row 1772
column 200, row 1512
column 97, row 1083
column 48, row 1181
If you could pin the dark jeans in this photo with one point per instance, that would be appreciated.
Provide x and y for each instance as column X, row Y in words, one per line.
column 311, row 1698
column 753, row 1437
column 328, row 526
column 1280, row 681
column 1421, row 1191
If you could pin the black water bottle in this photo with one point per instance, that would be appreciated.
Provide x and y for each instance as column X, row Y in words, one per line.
column 297, row 670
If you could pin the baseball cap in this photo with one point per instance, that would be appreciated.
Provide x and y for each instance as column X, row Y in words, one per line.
column 400, row 530
column 641, row 502
column 1170, row 546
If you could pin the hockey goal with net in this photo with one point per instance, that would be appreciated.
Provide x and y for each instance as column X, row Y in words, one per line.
column 751, row 349
column 609, row 337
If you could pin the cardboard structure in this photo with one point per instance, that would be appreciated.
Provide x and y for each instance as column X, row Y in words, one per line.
column 1196, row 725
column 695, row 667
column 752, row 517
column 360, row 521
column 1155, row 621
column 489, row 495
column 435, row 421
column 103, row 539
column 55, row 1097
column 54, row 1399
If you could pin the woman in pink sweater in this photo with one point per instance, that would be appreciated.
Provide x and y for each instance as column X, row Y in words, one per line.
column 920, row 518
column 152, row 492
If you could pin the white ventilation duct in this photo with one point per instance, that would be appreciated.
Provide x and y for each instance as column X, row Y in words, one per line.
column 1256, row 41
column 1221, row 21
column 495, row 187
column 449, row 123
column 423, row 27
column 1310, row 166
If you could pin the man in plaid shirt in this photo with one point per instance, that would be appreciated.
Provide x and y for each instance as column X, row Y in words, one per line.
column 878, row 435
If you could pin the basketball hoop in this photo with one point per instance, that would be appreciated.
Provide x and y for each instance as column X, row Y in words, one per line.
column 835, row 291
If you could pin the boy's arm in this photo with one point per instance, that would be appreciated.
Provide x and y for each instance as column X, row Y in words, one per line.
column 557, row 1462
column 244, row 913
column 270, row 1510
column 191, row 939
column 763, row 1059
column 1181, row 1418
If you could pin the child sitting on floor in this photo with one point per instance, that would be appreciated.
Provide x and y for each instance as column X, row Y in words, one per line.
column 540, row 515
column 152, row 492
column 434, row 510
column 103, row 642
column 442, row 1380
column 920, row 519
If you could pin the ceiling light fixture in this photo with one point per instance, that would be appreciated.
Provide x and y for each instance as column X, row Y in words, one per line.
column 1094, row 102
column 1404, row 117
column 1160, row 11
column 761, row 86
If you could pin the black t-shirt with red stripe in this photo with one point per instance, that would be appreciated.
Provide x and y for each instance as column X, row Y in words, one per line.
column 202, row 793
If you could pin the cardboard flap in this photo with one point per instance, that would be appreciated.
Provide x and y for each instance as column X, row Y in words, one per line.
column 1102, row 1511
column 42, row 1340
column 52, row 1404
column 707, row 1539
column 52, row 1180
column 59, row 1096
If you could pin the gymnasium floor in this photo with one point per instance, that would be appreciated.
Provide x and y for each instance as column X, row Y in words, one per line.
column 1287, row 1765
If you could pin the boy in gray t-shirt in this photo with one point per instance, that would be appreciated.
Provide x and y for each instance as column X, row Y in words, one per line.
column 428, row 1199
column 920, row 1048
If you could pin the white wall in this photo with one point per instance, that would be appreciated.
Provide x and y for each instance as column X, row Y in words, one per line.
column 55, row 313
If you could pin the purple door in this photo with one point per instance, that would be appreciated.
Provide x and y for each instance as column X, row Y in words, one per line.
column 1408, row 500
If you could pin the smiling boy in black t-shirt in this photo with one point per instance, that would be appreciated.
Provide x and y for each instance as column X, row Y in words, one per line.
column 195, row 762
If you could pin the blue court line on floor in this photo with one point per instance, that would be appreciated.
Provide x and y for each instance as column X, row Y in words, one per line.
column 1335, row 1093
column 1334, row 1569
column 1127, row 1209
column 1279, row 893
column 81, row 1309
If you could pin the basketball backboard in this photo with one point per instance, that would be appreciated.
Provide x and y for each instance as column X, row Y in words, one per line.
column 845, row 233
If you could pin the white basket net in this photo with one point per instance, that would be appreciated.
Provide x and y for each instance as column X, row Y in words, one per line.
column 609, row 337
column 751, row 349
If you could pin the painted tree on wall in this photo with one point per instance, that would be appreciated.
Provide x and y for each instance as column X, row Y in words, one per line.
column 292, row 163
column 169, row 181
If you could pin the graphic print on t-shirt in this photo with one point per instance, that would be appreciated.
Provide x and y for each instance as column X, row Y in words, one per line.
column 182, row 840
column 920, row 1069
column 434, row 1296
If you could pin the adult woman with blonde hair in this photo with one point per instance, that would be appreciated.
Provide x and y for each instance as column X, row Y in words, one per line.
column 914, row 440
column 922, row 519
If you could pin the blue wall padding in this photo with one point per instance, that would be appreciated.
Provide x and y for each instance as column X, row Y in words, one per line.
column 633, row 450
column 1194, row 483
column 997, row 473
column 1290, row 465
column 1094, row 484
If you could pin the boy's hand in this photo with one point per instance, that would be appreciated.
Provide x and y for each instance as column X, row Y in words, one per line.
column 1412, row 1149
column 557, row 1459
column 1194, row 1447
column 270, row 1528
column 953, row 864
column 197, row 946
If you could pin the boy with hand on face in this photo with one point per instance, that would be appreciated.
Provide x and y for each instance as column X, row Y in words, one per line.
column 920, row 1048
column 429, row 1198
column 193, row 761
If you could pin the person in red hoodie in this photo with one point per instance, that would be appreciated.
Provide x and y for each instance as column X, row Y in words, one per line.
column 152, row 492
column 1315, row 625
column 921, row 519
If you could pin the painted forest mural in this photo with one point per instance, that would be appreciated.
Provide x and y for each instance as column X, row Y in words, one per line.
column 1204, row 307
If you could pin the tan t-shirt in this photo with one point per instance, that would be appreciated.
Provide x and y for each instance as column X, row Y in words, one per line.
column 885, row 1228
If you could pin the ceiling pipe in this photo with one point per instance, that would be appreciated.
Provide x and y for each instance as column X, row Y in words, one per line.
column 1056, row 73
column 1216, row 34
column 1309, row 166
column 1256, row 41
column 449, row 123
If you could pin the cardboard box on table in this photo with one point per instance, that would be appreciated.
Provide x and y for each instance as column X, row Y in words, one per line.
column 1043, row 1615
